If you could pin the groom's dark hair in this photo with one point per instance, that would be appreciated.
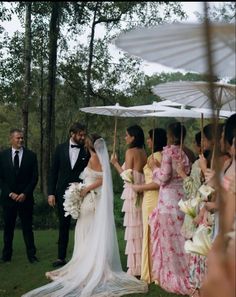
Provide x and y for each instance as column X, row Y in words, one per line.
column 77, row 127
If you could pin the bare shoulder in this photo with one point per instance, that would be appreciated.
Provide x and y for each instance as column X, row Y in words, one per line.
column 129, row 152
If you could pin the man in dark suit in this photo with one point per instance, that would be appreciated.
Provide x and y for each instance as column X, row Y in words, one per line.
column 18, row 179
column 69, row 161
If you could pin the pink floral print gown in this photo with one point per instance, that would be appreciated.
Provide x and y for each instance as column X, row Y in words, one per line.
column 170, row 262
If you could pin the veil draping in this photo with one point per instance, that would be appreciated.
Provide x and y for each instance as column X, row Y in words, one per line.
column 95, row 272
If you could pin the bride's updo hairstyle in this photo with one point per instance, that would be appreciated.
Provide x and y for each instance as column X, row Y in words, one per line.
column 174, row 133
column 90, row 140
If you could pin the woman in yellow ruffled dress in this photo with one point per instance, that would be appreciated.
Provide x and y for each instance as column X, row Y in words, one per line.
column 155, row 141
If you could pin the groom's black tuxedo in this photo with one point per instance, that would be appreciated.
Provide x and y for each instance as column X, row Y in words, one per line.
column 22, row 181
column 61, row 175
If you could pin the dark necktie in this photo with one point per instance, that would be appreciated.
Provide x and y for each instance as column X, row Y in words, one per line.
column 16, row 161
column 75, row 145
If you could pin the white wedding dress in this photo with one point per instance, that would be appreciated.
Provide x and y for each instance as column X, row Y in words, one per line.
column 94, row 269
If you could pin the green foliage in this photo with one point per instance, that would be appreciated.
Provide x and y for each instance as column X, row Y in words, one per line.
column 226, row 12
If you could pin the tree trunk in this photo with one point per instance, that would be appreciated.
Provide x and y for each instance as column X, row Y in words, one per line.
column 41, row 107
column 51, row 87
column 27, row 76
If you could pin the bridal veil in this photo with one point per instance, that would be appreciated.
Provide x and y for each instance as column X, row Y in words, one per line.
column 96, row 272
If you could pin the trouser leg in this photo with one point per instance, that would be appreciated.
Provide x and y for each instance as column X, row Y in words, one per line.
column 9, row 218
column 64, row 229
column 26, row 216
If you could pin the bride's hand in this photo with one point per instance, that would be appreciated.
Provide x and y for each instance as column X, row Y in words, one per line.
column 84, row 192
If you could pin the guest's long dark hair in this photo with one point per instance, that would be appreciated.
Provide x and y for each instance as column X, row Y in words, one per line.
column 230, row 129
column 208, row 132
column 175, row 131
column 160, row 139
column 198, row 138
column 137, row 132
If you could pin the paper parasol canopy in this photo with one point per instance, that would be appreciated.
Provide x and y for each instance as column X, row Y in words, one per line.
column 183, row 45
column 197, row 94
column 111, row 110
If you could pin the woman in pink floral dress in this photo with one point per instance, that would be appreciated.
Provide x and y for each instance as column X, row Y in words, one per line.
column 135, row 160
column 170, row 262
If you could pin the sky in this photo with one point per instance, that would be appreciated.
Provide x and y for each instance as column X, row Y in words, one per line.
column 148, row 68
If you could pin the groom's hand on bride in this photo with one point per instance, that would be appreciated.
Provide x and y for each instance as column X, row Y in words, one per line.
column 51, row 200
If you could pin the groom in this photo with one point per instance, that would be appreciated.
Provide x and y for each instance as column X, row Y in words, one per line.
column 69, row 161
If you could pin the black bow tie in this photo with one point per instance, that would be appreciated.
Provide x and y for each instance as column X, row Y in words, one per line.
column 75, row 145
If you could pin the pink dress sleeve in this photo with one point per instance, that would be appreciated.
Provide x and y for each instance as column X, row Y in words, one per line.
column 163, row 174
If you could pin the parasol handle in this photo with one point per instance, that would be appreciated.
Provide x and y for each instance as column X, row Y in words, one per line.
column 181, row 140
column 114, row 139
column 202, row 125
column 153, row 137
column 213, row 156
column 215, row 133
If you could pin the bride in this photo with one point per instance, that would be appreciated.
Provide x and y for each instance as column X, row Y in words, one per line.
column 95, row 268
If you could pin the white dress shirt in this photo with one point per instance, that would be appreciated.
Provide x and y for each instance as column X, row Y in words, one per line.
column 20, row 154
column 73, row 153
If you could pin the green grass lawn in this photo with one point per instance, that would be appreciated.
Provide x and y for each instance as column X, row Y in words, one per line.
column 19, row 276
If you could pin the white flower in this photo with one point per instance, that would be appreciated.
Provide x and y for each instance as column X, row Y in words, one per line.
column 206, row 190
column 189, row 206
column 73, row 200
column 127, row 175
column 201, row 243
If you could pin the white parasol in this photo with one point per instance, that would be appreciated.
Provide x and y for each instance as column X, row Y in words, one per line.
column 114, row 111
column 197, row 94
column 180, row 114
column 155, row 106
column 208, row 111
column 183, row 45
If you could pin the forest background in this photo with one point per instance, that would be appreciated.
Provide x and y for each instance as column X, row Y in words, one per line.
column 44, row 81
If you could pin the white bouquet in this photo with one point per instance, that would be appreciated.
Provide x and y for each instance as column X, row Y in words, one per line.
column 127, row 176
column 201, row 243
column 73, row 200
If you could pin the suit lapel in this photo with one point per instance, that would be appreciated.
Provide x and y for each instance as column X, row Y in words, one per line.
column 81, row 156
column 67, row 154
column 9, row 158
